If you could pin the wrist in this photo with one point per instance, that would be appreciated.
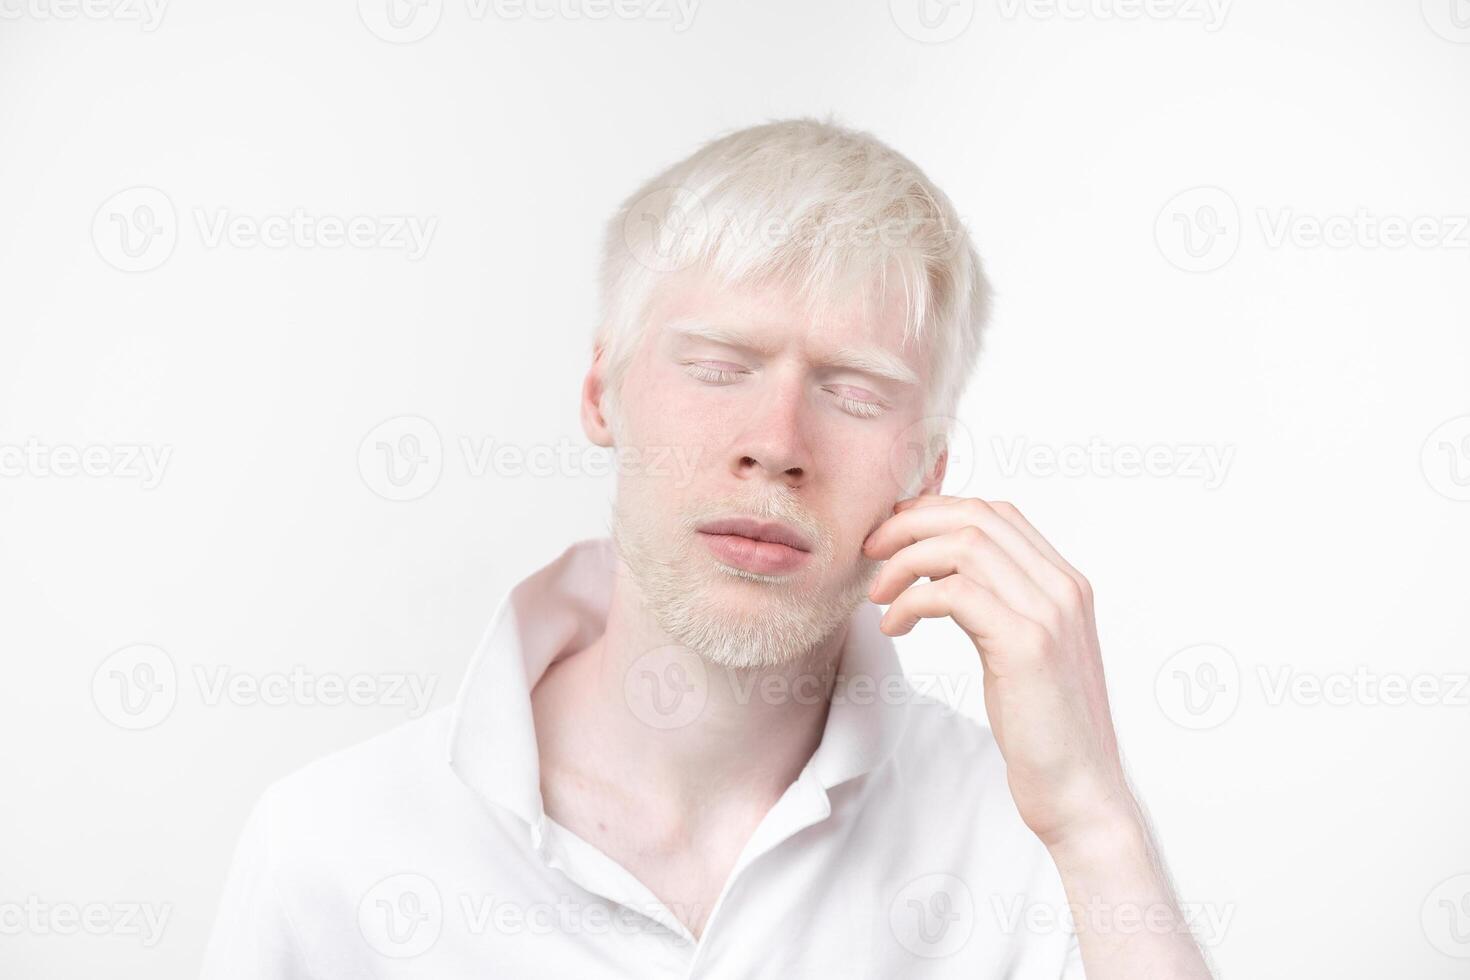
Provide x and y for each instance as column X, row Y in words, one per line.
column 1114, row 835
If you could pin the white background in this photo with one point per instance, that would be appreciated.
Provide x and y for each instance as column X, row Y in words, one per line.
column 1325, row 831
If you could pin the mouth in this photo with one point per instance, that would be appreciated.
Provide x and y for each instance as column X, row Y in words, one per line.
column 757, row 546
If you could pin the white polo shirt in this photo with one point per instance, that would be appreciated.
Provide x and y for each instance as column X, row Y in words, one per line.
column 425, row 852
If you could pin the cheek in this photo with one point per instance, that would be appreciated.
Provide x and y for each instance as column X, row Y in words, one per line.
column 665, row 447
column 680, row 432
column 657, row 411
column 862, row 485
column 859, row 455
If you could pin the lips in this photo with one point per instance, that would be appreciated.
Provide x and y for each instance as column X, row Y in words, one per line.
column 770, row 531
column 756, row 546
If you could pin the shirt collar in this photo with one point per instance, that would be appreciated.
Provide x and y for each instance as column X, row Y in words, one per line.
column 564, row 605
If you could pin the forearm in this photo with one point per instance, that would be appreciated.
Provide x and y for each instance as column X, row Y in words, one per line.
column 1128, row 920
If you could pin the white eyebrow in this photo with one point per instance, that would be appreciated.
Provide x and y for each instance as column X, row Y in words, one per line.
column 868, row 360
column 877, row 362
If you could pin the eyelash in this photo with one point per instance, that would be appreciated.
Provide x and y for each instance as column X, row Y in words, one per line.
column 862, row 409
column 713, row 375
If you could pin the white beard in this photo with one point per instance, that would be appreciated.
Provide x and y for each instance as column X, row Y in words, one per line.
column 766, row 620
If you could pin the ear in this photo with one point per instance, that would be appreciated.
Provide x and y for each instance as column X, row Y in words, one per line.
column 593, row 386
column 934, row 479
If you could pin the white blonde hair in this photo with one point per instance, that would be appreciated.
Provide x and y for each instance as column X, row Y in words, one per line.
column 830, row 211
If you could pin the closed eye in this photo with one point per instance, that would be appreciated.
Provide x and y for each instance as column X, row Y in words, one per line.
column 726, row 373
column 706, row 371
column 862, row 407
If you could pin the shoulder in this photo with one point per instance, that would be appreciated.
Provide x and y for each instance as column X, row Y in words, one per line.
column 946, row 778
column 350, row 797
column 941, row 742
column 319, row 838
column 944, row 819
column 399, row 753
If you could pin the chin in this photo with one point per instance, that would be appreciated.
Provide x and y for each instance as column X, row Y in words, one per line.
column 732, row 617
column 731, row 573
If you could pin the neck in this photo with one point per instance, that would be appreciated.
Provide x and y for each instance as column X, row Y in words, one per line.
column 635, row 710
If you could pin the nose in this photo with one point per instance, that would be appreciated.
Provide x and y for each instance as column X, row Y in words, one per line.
column 773, row 444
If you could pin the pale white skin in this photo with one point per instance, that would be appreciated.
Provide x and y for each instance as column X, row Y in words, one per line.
column 675, row 807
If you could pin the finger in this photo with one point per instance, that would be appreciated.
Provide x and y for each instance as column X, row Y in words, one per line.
column 924, row 500
column 926, row 519
column 997, row 630
column 1013, row 516
column 966, row 551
